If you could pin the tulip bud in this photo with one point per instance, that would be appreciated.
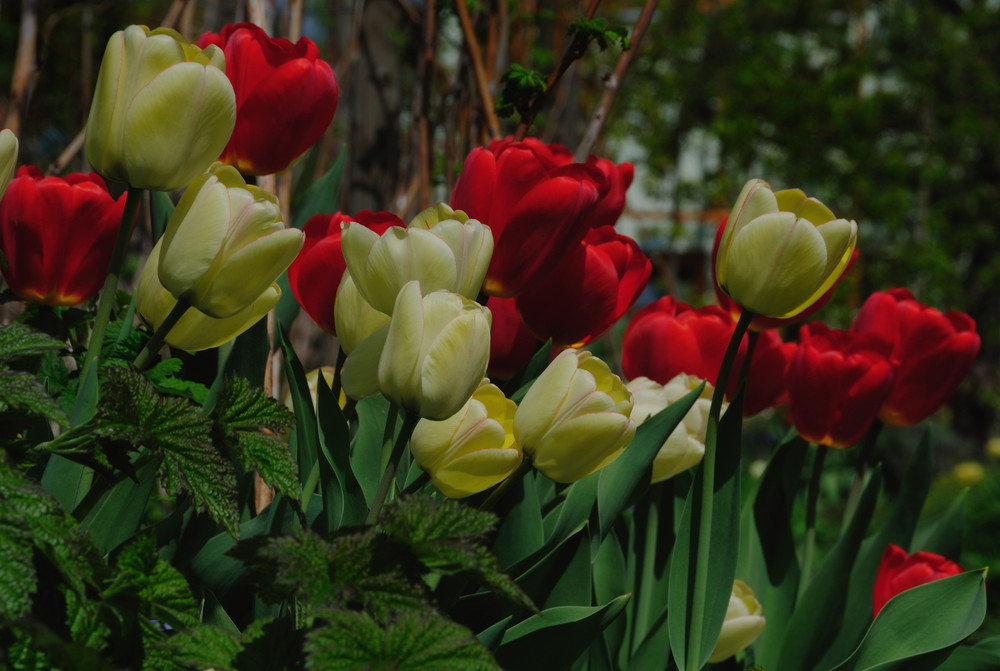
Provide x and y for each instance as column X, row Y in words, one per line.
column 163, row 109
column 452, row 255
column 225, row 243
column 574, row 420
column 195, row 331
column 685, row 446
column 473, row 449
column 8, row 157
column 354, row 318
column 742, row 625
column 781, row 251
column 429, row 358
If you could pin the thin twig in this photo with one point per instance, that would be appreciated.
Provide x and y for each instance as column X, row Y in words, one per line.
column 614, row 82
column 426, row 79
column 25, row 66
column 476, row 56
column 576, row 49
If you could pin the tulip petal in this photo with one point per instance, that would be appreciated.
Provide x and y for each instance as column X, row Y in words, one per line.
column 359, row 375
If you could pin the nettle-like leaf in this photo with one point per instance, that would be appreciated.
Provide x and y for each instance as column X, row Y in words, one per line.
column 521, row 87
column 202, row 647
column 599, row 32
column 424, row 641
column 32, row 524
column 251, row 423
column 450, row 537
column 163, row 376
column 20, row 390
column 161, row 590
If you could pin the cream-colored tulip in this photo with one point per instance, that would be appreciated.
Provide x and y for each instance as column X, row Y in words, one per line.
column 8, row 158
column 574, row 420
column 225, row 243
column 685, row 446
column 743, row 624
column 781, row 251
column 162, row 112
column 451, row 254
column 195, row 331
column 473, row 449
column 354, row 318
column 429, row 358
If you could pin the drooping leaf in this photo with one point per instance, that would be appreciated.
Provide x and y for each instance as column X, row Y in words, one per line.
column 23, row 391
column 18, row 341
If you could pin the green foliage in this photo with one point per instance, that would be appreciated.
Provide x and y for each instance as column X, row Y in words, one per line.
column 598, row 31
column 20, row 390
column 521, row 88
column 164, row 377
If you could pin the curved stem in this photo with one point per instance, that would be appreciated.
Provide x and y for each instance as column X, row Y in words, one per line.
column 107, row 299
column 389, row 474
column 156, row 342
column 704, row 520
column 812, row 497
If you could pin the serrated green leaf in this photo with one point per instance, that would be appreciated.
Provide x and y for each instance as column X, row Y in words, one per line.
column 202, row 647
column 162, row 591
column 903, row 630
column 18, row 341
column 413, row 641
column 163, row 377
column 249, row 408
column 23, row 391
column 422, row 518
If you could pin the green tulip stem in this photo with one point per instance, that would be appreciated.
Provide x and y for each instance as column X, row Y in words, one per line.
column 703, row 518
column 156, row 341
column 107, row 299
column 502, row 488
column 812, row 496
column 866, row 456
column 389, row 474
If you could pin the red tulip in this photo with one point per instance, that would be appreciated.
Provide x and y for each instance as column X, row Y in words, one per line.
column 511, row 343
column 57, row 235
column 315, row 274
column 612, row 202
column 535, row 208
column 285, row 97
column 588, row 290
column 836, row 382
column 668, row 337
column 899, row 571
column 760, row 322
column 931, row 351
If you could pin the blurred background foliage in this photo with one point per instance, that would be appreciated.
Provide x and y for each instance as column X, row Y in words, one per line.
column 886, row 110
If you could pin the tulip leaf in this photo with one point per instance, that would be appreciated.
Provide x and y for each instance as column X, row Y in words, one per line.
column 521, row 532
column 983, row 656
column 650, row 555
column 610, row 578
column 518, row 386
column 572, row 585
column 366, row 450
column 322, row 195
column 920, row 621
column 820, row 610
column 554, row 638
column 624, row 477
column 896, row 529
column 335, row 449
column 116, row 516
column 574, row 510
column 654, row 650
column 723, row 549
column 944, row 534
column 492, row 635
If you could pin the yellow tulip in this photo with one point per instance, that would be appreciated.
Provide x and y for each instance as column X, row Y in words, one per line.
column 574, row 420
column 354, row 318
column 685, row 446
column 163, row 109
column 429, row 358
column 450, row 253
column 8, row 158
column 473, row 449
column 742, row 625
column 781, row 251
column 195, row 331
column 225, row 243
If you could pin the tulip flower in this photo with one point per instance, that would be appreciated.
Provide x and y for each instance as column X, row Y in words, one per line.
column 611, row 203
column 574, row 420
column 473, row 449
column 315, row 274
column 593, row 285
column 57, row 235
column 932, row 352
column 760, row 322
column 429, row 358
column 8, row 157
column 744, row 622
column 837, row 382
column 766, row 378
column 511, row 343
column 535, row 208
column 225, row 244
column 286, row 97
column 195, row 331
column 685, row 446
column 162, row 112
column 899, row 571
column 356, row 319
column 781, row 251
column 452, row 254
